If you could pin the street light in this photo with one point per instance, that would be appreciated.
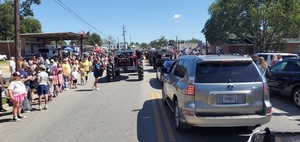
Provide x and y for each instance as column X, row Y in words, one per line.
column 109, row 45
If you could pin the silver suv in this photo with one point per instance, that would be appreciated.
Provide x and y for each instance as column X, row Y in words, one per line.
column 216, row 91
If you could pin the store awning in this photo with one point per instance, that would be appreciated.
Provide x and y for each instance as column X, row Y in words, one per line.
column 55, row 36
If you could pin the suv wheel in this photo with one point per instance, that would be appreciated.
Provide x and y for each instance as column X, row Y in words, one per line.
column 180, row 127
column 296, row 97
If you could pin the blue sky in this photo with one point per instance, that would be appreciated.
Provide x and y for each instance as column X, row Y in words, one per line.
column 144, row 20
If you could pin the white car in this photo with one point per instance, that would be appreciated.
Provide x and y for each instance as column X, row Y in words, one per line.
column 3, row 57
column 268, row 56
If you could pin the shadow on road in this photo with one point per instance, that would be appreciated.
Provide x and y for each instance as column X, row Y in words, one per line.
column 147, row 130
column 6, row 120
column 117, row 78
column 149, row 70
column 83, row 90
column 154, row 83
column 283, row 103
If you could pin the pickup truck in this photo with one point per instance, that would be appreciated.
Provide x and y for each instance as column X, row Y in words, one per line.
column 3, row 57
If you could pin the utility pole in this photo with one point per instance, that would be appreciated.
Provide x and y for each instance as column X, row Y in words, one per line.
column 177, row 43
column 17, row 31
column 118, row 44
column 124, row 31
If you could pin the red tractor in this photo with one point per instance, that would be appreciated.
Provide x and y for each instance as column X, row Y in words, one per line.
column 126, row 60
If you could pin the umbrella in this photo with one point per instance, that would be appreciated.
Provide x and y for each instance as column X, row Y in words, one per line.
column 99, row 50
column 69, row 49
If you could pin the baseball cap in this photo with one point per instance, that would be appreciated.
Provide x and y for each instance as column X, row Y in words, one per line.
column 25, row 64
column 16, row 73
column 51, row 60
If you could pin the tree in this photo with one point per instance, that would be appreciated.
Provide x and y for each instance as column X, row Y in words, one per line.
column 143, row 45
column 58, row 43
column 193, row 40
column 109, row 38
column 268, row 22
column 7, row 18
column 94, row 38
column 30, row 25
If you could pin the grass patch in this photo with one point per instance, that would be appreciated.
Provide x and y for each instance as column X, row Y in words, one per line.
column 4, row 63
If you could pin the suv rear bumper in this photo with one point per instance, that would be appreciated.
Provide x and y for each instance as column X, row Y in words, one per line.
column 226, row 121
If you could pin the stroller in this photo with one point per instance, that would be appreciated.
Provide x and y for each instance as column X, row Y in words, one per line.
column 270, row 135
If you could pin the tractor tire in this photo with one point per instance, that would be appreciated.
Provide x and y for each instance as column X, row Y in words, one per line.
column 110, row 73
column 140, row 70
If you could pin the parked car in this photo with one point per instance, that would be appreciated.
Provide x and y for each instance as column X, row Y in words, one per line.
column 269, row 56
column 164, row 68
column 284, row 78
column 216, row 91
column 3, row 57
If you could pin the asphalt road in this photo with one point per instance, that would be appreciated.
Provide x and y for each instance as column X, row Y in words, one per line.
column 126, row 110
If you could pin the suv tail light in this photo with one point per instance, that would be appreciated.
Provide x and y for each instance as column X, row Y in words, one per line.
column 268, row 111
column 190, row 90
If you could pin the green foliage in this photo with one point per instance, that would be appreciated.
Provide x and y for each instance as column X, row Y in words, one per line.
column 30, row 25
column 267, row 22
column 6, row 20
column 143, row 45
column 27, row 24
column 94, row 38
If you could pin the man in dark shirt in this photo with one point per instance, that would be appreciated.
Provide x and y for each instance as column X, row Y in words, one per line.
column 26, row 79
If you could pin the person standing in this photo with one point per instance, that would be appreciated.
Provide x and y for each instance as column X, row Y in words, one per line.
column 2, row 89
column 279, row 58
column 98, row 69
column 86, row 65
column 26, row 79
column 17, row 92
column 74, row 75
column 12, row 65
column 262, row 65
column 43, row 86
column 274, row 60
column 66, row 69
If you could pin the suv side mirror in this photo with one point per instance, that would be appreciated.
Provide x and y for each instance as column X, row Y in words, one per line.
column 164, row 70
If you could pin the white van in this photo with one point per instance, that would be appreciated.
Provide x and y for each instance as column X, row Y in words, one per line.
column 269, row 56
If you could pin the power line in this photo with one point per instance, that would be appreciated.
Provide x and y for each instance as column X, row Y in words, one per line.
column 77, row 16
column 95, row 15
column 103, row 13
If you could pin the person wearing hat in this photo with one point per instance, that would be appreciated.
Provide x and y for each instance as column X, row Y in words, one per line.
column 26, row 79
column 17, row 92
column 42, row 90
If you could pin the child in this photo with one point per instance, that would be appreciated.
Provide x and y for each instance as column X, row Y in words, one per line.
column 74, row 75
column 55, row 84
column 17, row 92
column 82, row 76
column 51, row 87
column 60, row 80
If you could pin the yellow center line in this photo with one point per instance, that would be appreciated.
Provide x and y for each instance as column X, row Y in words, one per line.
column 166, row 119
column 157, row 122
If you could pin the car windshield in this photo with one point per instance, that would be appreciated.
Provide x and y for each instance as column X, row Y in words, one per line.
column 220, row 72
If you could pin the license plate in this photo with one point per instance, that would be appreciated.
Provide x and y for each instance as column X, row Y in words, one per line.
column 230, row 99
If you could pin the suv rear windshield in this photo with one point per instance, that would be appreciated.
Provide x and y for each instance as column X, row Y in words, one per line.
column 226, row 72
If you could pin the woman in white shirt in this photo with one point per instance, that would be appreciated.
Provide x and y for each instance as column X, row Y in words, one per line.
column 17, row 92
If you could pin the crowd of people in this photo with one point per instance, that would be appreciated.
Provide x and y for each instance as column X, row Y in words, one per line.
column 47, row 78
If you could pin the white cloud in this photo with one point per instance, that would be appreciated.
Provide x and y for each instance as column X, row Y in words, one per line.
column 176, row 16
